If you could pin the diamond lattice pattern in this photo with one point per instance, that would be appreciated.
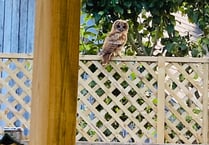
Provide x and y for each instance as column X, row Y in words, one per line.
column 119, row 102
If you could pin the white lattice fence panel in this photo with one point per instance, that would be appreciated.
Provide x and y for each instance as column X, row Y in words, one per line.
column 120, row 102
column 184, row 102
column 15, row 93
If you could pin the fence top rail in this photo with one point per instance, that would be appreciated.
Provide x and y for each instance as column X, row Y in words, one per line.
column 149, row 58
column 117, row 143
column 15, row 55
column 123, row 58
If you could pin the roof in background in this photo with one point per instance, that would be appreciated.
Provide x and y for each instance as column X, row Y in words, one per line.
column 184, row 26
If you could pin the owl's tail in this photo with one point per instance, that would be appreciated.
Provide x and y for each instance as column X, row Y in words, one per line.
column 106, row 57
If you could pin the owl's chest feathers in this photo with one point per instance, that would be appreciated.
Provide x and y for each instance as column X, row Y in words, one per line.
column 117, row 38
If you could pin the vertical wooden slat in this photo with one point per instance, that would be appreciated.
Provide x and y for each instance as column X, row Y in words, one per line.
column 7, row 26
column 1, row 24
column 30, row 28
column 161, row 101
column 23, row 26
column 54, row 94
column 15, row 26
column 205, row 105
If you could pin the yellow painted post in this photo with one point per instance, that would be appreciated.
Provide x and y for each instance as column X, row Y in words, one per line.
column 55, row 72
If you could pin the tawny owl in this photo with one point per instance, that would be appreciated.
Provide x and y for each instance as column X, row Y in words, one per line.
column 115, row 41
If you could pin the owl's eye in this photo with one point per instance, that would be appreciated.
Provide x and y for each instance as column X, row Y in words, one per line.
column 124, row 26
column 118, row 26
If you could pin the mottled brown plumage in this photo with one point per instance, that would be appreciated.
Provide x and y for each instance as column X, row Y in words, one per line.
column 115, row 41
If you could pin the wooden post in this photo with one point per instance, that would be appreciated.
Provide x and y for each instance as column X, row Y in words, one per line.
column 205, row 106
column 54, row 93
column 161, row 101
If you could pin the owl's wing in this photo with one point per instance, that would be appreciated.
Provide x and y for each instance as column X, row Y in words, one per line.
column 112, row 42
column 108, row 49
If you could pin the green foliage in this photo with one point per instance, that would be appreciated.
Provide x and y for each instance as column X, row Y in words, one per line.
column 91, row 39
column 149, row 20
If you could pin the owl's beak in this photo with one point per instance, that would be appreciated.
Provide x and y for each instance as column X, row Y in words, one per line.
column 121, row 29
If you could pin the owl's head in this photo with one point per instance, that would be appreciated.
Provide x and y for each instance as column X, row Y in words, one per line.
column 120, row 26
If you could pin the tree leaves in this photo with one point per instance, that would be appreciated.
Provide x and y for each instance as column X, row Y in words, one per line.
column 150, row 21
